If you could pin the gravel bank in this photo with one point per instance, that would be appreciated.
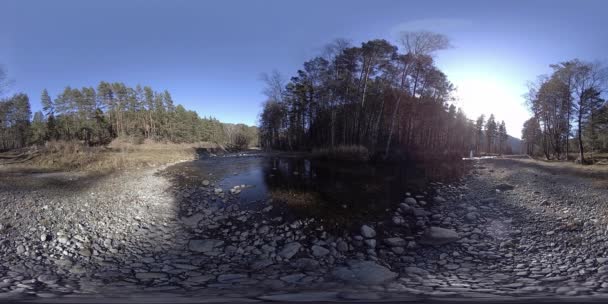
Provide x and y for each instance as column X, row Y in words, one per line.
column 509, row 229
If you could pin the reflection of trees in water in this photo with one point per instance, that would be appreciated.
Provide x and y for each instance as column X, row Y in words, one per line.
column 365, row 188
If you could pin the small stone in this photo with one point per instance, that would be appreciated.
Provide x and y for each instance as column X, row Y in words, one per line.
column 367, row 231
column 410, row 201
column 307, row 264
column 289, row 250
column 398, row 220
column 319, row 251
column 342, row 246
column 293, row 278
column 48, row 279
column 364, row 272
column 395, row 242
column 231, row 278
column 150, row 275
column 439, row 236
column 204, row 246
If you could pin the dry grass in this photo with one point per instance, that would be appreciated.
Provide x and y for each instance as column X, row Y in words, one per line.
column 351, row 153
column 120, row 154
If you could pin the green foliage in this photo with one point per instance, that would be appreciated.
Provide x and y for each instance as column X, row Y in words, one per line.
column 97, row 116
column 14, row 121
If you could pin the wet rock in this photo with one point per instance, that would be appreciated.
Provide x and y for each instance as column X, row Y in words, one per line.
column 439, row 236
column 364, row 272
column 367, row 231
column 205, row 182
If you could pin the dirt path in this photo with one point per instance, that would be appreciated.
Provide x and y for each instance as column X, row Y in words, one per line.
column 540, row 234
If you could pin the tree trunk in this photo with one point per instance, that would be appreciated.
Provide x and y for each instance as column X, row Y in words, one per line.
column 580, row 136
column 390, row 132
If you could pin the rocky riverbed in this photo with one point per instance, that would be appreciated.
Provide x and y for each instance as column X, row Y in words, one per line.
column 507, row 229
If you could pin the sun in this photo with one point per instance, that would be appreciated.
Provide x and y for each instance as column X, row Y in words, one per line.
column 485, row 95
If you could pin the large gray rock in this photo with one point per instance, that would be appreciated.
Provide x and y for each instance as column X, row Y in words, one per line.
column 364, row 272
column 289, row 250
column 368, row 231
column 439, row 236
column 205, row 246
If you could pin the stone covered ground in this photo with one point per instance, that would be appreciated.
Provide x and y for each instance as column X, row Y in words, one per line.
column 509, row 229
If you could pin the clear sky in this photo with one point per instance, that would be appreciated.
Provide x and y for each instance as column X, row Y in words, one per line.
column 210, row 54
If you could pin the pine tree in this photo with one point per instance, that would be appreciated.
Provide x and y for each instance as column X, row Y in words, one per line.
column 490, row 132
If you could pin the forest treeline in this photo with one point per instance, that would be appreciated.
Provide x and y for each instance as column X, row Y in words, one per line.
column 96, row 116
column 390, row 100
column 569, row 113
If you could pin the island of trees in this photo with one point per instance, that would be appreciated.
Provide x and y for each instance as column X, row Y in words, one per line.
column 378, row 98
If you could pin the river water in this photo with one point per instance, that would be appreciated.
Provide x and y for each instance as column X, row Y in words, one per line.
column 339, row 192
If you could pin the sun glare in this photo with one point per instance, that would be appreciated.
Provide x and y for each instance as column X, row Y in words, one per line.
column 485, row 95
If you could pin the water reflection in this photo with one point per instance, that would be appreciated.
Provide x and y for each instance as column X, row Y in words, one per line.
column 337, row 191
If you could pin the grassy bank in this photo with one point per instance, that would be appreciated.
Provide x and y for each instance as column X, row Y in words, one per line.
column 119, row 155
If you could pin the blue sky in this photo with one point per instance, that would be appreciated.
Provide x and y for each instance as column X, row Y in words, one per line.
column 210, row 54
